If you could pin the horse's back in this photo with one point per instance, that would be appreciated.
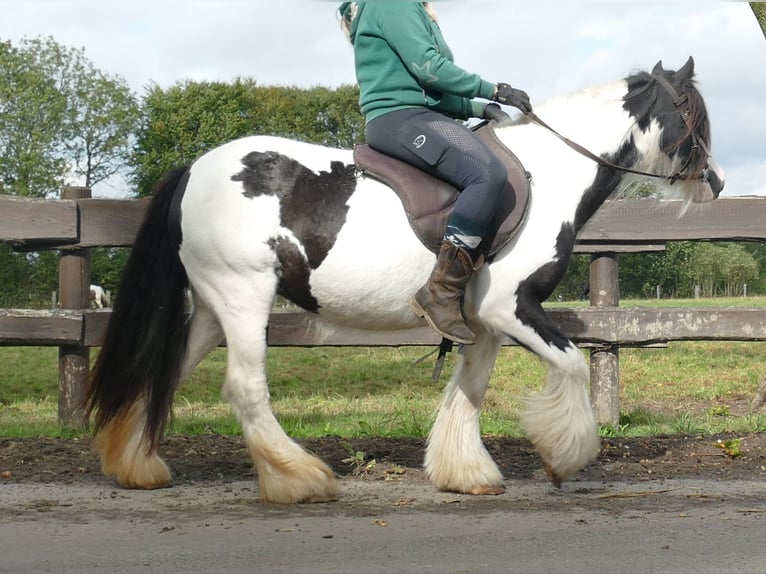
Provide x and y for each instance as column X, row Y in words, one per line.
column 236, row 187
column 231, row 156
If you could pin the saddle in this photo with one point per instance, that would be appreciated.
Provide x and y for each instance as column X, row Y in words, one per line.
column 428, row 201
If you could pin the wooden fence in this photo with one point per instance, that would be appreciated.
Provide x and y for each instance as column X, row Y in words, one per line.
column 77, row 223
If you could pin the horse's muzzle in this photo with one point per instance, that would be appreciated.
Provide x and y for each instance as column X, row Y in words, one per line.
column 712, row 183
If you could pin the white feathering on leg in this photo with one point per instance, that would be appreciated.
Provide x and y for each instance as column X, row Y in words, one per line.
column 559, row 421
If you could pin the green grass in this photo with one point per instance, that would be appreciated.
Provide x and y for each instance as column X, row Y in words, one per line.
column 695, row 387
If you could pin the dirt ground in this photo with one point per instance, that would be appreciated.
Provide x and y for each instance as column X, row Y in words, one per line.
column 670, row 504
column 221, row 459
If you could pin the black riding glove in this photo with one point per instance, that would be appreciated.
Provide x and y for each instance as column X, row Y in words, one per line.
column 509, row 96
column 494, row 112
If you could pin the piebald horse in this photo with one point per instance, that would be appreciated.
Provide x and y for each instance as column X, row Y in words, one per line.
column 261, row 216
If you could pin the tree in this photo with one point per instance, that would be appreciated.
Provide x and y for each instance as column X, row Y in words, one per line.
column 757, row 249
column 32, row 110
column 60, row 118
column 722, row 268
column 102, row 114
column 759, row 9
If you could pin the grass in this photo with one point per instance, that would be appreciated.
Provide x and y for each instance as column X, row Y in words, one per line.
column 687, row 388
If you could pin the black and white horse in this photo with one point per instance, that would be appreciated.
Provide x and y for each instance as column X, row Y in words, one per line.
column 262, row 216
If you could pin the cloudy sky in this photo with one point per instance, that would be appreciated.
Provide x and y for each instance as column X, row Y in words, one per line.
column 545, row 47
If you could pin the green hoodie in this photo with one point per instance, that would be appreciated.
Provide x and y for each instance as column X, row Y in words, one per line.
column 402, row 61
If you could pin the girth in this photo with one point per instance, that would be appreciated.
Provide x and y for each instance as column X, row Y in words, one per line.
column 428, row 201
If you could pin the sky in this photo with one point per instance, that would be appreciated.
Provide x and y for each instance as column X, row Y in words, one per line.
column 545, row 47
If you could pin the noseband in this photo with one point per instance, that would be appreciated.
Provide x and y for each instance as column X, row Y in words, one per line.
column 681, row 103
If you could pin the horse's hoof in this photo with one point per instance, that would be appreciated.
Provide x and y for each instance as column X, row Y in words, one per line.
column 552, row 476
column 488, row 490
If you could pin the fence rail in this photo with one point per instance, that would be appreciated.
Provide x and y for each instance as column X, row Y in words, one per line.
column 588, row 327
column 77, row 223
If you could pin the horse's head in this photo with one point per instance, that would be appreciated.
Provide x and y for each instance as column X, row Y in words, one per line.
column 670, row 101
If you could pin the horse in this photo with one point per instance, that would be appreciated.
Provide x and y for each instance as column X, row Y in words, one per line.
column 98, row 297
column 263, row 216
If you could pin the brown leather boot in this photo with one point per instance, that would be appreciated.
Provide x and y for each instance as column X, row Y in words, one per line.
column 440, row 300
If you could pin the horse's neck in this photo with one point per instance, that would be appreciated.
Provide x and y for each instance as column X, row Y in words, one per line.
column 594, row 117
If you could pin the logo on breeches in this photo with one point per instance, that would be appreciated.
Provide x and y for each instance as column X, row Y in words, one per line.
column 419, row 141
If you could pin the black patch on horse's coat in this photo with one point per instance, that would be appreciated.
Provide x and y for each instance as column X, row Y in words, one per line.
column 604, row 184
column 294, row 274
column 313, row 206
column 539, row 286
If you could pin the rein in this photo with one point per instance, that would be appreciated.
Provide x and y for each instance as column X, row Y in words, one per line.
column 681, row 103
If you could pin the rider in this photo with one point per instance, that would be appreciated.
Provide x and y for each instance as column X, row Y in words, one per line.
column 411, row 92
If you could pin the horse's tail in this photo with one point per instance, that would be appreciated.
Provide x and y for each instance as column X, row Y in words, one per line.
column 147, row 333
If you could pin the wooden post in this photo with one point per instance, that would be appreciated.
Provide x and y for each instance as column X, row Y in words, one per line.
column 74, row 293
column 605, row 361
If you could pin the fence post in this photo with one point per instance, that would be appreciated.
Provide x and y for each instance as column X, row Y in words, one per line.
column 74, row 293
column 605, row 361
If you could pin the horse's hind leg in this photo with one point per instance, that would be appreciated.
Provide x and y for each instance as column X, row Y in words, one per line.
column 286, row 472
column 456, row 459
column 126, row 452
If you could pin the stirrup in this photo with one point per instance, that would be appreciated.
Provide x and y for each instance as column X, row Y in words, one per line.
column 444, row 347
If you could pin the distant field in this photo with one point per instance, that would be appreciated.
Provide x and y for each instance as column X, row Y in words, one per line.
column 691, row 387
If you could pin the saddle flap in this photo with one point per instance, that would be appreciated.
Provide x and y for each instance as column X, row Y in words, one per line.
column 428, row 201
column 514, row 201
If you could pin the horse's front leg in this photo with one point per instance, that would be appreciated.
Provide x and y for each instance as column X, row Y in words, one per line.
column 456, row 459
column 559, row 419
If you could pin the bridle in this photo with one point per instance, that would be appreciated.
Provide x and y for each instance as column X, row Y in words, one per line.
column 681, row 103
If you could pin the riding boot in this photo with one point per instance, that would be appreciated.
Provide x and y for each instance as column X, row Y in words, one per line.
column 440, row 300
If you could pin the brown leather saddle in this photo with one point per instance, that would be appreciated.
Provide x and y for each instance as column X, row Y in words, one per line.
column 428, row 201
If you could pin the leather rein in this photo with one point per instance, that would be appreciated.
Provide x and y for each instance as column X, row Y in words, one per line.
column 681, row 103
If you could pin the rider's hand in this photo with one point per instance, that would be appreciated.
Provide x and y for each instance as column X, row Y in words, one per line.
column 494, row 112
column 509, row 96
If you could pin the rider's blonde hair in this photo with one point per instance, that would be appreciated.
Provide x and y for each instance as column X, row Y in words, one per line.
column 345, row 22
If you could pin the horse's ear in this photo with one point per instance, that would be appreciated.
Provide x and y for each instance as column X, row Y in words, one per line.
column 657, row 68
column 687, row 70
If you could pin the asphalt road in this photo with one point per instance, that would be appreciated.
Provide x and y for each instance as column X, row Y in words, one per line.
column 401, row 526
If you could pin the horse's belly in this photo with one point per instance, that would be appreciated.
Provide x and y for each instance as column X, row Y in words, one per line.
column 375, row 265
